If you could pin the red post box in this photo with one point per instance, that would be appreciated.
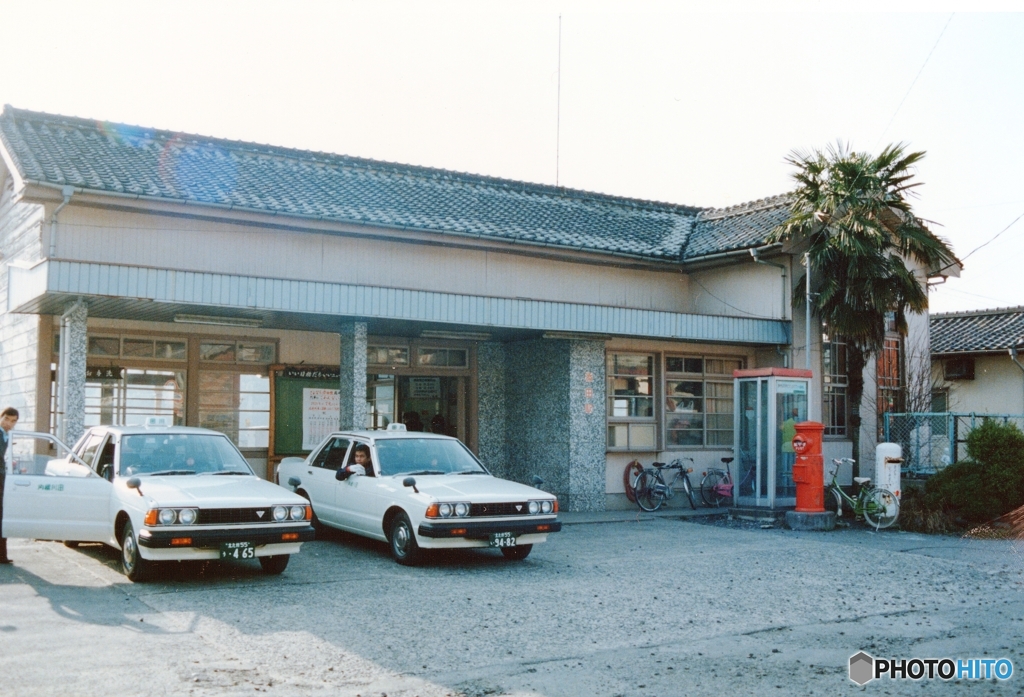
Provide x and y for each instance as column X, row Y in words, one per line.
column 808, row 470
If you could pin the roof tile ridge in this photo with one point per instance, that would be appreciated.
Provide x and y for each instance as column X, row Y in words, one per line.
column 357, row 162
column 978, row 313
column 757, row 205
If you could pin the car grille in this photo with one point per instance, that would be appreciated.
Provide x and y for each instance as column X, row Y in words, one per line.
column 238, row 516
column 477, row 510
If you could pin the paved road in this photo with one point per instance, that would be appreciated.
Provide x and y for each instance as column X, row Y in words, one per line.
column 656, row 607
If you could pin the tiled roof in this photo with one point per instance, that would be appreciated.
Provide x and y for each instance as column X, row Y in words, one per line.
column 981, row 331
column 129, row 160
column 736, row 227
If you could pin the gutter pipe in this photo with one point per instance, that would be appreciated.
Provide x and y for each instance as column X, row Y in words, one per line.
column 67, row 192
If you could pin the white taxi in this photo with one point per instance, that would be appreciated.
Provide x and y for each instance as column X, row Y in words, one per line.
column 158, row 494
column 418, row 491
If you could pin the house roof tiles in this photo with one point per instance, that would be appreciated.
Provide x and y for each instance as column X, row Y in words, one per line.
column 982, row 331
column 113, row 158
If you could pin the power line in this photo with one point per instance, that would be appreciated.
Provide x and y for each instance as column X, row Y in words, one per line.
column 994, row 237
column 914, row 82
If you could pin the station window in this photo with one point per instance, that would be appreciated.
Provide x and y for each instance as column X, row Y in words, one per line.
column 631, row 421
column 699, row 400
column 834, row 371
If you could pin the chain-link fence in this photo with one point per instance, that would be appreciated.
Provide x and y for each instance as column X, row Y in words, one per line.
column 932, row 441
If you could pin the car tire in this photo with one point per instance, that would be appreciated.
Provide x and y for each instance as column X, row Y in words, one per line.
column 517, row 553
column 275, row 564
column 133, row 565
column 402, row 540
column 318, row 527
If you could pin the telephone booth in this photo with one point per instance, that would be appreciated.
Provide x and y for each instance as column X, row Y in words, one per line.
column 770, row 402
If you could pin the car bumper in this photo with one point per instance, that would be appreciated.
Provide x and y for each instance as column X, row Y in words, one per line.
column 472, row 530
column 164, row 539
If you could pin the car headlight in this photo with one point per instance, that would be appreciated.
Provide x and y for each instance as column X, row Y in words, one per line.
column 167, row 516
column 444, row 510
column 462, row 510
column 187, row 516
column 533, row 507
column 280, row 513
column 545, row 507
column 298, row 512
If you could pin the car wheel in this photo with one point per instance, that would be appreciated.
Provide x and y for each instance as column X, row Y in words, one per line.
column 517, row 553
column 71, row 544
column 132, row 564
column 275, row 564
column 404, row 549
column 318, row 527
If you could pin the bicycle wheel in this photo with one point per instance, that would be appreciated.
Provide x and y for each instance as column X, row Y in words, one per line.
column 650, row 491
column 688, row 488
column 833, row 502
column 709, row 491
column 881, row 508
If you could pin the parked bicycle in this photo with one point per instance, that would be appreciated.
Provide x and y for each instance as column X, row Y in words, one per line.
column 716, row 484
column 879, row 507
column 651, row 489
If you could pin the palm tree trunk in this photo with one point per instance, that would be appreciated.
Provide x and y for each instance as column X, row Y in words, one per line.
column 856, row 359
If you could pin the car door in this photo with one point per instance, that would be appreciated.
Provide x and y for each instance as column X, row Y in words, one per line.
column 61, row 499
column 319, row 481
column 358, row 498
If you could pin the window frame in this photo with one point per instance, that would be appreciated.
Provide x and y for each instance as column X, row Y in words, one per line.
column 631, row 423
column 707, row 396
column 835, row 386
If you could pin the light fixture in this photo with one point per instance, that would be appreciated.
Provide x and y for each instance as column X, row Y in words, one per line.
column 575, row 335
column 464, row 336
column 214, row 319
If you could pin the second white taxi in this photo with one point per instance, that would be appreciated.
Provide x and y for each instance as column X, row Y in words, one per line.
column 418, row 491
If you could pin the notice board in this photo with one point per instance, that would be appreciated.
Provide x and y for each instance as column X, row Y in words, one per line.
column 303, row 408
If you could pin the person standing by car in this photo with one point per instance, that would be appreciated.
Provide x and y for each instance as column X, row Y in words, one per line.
column 8, row 418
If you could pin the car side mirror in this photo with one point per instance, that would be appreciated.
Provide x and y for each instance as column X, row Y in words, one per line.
column 537, row 481
column 410, row 481
column 294, row 482
column 134, row 483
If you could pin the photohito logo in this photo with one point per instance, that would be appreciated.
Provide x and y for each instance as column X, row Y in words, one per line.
column 864, row 668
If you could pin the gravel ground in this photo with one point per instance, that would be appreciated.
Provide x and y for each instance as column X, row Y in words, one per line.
column 654, row 607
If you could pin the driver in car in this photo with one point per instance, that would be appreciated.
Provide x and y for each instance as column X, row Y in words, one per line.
column 361, row 460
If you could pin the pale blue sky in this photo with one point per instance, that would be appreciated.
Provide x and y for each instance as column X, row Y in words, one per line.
column 658, row 100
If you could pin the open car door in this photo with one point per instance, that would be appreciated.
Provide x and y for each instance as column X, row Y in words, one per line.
column 51, row 494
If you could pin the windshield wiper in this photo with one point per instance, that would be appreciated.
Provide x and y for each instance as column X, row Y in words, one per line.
column 425, row 472
column 227, row 472
column 171, row 472
column 471, row 472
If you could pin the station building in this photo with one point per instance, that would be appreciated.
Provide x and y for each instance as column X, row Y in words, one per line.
column 275, row 295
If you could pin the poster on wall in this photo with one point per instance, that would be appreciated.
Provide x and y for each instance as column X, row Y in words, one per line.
column 321, row 411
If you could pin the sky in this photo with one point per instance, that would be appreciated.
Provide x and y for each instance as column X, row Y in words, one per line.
column 694, row 103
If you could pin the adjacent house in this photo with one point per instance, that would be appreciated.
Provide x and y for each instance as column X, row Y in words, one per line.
column 275, row 294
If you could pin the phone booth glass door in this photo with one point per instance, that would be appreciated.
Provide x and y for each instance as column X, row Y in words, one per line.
column 771, row 402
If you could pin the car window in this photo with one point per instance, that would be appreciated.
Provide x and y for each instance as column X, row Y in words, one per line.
column 333, row 454
column 352, row 457
column 180, row 453
column 104, row 463
column 88, row 452
column 426, row 455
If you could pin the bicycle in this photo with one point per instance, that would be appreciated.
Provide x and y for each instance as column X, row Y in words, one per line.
column 716, row 484
column 651, row 489
column 879, row 507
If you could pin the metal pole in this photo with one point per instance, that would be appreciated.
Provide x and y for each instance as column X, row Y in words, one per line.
column 807, row 311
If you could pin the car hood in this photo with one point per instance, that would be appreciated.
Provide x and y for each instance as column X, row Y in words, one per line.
column 211, row 491
column 475, row 488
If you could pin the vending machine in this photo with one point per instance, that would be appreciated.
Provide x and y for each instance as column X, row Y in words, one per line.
column 770, row 402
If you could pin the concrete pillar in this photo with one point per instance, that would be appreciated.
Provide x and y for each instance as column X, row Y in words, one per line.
column 71, row 386
column 555, row 424
column 353, row 412
column 492, row 396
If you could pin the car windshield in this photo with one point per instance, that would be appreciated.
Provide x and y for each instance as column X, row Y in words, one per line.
column 425, row 456
column 180, row 453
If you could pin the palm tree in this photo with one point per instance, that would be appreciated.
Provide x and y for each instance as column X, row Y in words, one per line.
column 851, row 211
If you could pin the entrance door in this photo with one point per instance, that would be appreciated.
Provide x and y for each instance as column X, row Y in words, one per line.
column 431, row 403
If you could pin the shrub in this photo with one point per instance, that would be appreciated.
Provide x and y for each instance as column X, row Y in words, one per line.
column 990, row 483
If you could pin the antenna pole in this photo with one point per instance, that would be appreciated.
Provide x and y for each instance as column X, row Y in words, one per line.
column 558, row 109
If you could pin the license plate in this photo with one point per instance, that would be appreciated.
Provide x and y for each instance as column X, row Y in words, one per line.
column 237, row 550
column 503, row 539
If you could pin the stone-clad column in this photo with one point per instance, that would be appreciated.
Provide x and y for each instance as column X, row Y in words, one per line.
column 71, row 393
column 353, row 411
column 587, row 432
